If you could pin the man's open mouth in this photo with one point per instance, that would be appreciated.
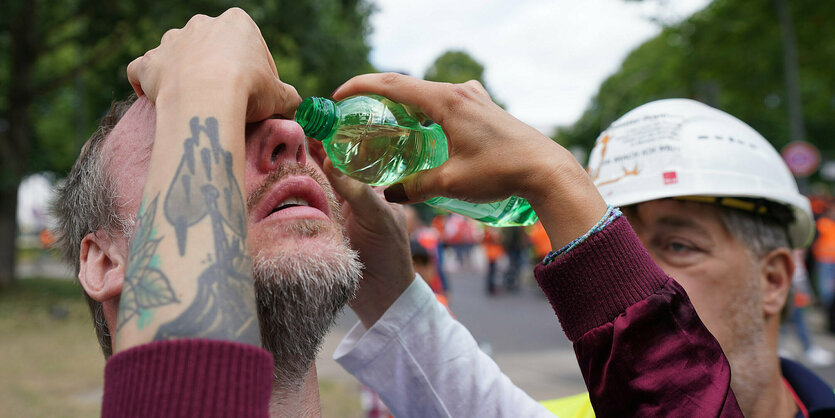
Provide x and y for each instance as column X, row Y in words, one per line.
column 294, row 192
column 290, row 203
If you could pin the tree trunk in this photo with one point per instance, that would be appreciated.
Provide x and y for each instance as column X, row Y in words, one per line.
column 14, row 153
column 797, row 130
column 8, row 232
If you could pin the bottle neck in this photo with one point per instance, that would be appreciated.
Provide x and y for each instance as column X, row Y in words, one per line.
column 317, row 116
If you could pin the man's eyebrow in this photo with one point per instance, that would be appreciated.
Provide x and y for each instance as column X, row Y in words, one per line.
column 681, row 223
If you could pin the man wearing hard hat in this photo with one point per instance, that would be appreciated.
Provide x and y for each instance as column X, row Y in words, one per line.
column 714, row 207
column 719, row 212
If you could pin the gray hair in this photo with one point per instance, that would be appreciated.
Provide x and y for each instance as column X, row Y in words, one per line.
column 759, row 234
column 86, row 202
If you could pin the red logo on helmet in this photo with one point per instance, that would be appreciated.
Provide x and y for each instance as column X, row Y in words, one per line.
column 670, row 177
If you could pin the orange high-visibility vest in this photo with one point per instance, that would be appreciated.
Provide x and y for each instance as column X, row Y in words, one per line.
column 824, row 247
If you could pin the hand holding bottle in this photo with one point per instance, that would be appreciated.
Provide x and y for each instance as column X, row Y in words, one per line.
column 478, row 130
column 492, row 155
column 379, row 142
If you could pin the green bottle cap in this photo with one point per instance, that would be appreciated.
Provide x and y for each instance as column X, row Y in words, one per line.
column 317, row 116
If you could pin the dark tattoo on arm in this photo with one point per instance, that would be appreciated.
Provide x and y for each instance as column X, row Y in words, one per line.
column 205, row 188
column 146, row 286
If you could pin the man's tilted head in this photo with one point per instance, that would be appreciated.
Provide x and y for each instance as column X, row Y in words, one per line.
column 304, row 270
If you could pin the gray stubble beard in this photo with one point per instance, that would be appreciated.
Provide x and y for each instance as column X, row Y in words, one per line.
column 300, row 292
column 748, row 351
column 299, row 295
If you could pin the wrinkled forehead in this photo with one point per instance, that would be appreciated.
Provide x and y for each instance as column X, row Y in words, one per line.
column 127, row 151
column 675, row 213
column 695, row 220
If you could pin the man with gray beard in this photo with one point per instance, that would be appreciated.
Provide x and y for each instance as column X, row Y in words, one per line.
column 153, row 217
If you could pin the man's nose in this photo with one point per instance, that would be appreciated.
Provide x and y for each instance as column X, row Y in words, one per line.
column 281, row 142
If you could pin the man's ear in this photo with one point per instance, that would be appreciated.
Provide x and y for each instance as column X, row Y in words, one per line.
column 102, row 266
column 777, row 271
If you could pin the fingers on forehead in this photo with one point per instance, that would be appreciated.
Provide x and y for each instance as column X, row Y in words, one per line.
column 238, row 15
column 235, row 12
column 198, row 19
column 170, row 33
column 135, row 68
column 289, row 99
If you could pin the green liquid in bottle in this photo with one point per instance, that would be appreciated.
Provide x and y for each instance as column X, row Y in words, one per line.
column 379, row 142
column 384, row 154
column 513, row 211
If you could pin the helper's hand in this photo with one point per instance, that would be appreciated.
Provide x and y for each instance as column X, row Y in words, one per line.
column 377, row 230
column 483, row 140
column 491, row 155
column 208, row 53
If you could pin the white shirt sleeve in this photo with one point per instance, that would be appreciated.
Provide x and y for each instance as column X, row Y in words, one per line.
column 424, row 363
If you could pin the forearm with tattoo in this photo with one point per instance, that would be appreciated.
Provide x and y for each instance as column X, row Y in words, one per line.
column 204, row 189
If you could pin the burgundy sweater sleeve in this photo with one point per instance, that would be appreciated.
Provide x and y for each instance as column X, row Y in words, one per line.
column 641, row 347
column 188, row 378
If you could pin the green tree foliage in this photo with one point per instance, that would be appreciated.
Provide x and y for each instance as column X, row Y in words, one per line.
column 457, row 67
column 63, row 63
column 729, row 56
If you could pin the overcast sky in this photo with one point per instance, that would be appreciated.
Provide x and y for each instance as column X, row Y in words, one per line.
column 544, row 59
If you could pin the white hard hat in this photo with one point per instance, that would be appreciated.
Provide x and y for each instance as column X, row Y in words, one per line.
column 683, row 148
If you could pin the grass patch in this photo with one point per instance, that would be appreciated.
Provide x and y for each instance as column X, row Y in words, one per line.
column 340, row 399
column 51, row 362
column 33, row 254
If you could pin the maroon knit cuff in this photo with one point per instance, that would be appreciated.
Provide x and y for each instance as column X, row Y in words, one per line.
column 188, row 378
column 596, row 281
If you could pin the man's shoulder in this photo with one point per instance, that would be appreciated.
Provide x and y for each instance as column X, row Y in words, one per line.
column 814, row 392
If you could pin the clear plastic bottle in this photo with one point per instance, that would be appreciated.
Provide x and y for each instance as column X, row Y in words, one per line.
column 378, row 141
